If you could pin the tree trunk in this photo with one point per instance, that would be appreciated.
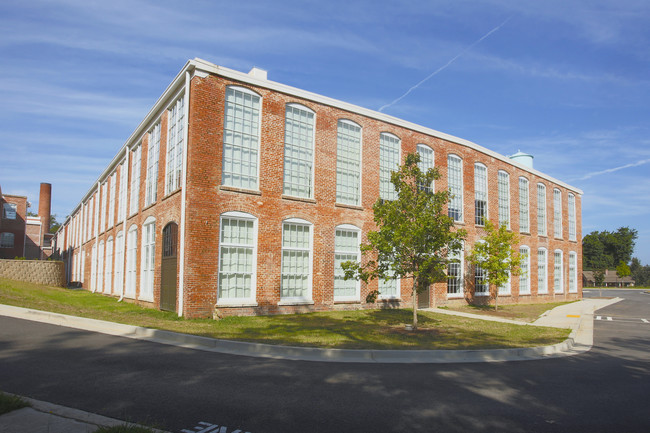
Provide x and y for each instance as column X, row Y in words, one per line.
column 415, row 304
column 496, row 299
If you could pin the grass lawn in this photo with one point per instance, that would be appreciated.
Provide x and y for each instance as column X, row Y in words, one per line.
column 366, row 329
column 523, row 312
column 9, row 403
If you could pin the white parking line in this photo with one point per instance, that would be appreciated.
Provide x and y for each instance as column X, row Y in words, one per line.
column 645, row 320
column 610, row 319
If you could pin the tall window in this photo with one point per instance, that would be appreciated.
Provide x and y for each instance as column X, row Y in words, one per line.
column 100, row 267
column 175, row 145
column 504, row 198
column 455, row 275
column 524, row 218
column 455, row 177
column 86, row 224
column 148, row 259
column 541, row 209
column 346, row 248
column 93, row 268
column 480, row 194
column 151, row 193
column 298, row 151
column 111, row 201
column 134, row 200
column 348, row 163
column 480, row 284
column 108, row 274
column 426, row 162
column 121, row 207
column 558, row 278
column 237, row 258
column 389, row 146
column 6, row 240
column 241, row 138
column 104, row 200
column 542, row 271
column 296, row 260
column 573, row 272
column 557, row 213
column 572, row 217
column 119, row 262
column 9, row 211
column 131, row 261
column 524, row 276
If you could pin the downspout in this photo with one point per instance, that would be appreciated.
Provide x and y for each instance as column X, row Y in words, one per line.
column 181, row 256
column 96, row 228
column 125, row 168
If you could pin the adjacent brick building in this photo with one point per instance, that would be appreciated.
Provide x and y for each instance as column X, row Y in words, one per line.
column 240, row 195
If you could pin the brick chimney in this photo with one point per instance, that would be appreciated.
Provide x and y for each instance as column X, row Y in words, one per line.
column 44, row 206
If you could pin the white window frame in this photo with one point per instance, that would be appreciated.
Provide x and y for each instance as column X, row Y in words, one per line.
column 346, row 193
column 136, row 171
column 231, row 167
column 93, row 268
column 542, row 274
column 176, row 124
column 338, row 271
column 104, row 202
column 121, row 206
column 557, row 213
column 573, row 272
column 246, row 301
column 455, row 185
column 541, row 210
column 153, row 156
column 131, row 280
column 558, row 272
column 461, row 276
column 426, row 162
column 307, row 298
column 100, row 266
column 108, row 272
column 503, row 181
column 572, row 216
column 506, row 289
column 9, row 211
column 524, row 276
column 524, row 207
column 390, row 156
column 148, row 259
column 480, row 193
column 118, row 279
column 293, row 147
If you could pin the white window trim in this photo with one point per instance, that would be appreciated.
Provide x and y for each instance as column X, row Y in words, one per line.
column 108, row 271
column 527, row 290
column 239, row 302
column 259, row 137
column 507, row 177
column 461, row 255
column 561, row 289
column 433, row 158
column 313, row 149
column 573, row 288
column 557, row 209
column 131, row 292
column 357, row 296
column 118, row 283
column 542, row 230
column 399, row 161
column 144, row 295
column 527, row 207
column 487, row 193
column 462, row 186
column 571, row 209
column 545, row 289
column 299, row 300
column 100, row 266
column 350, row 122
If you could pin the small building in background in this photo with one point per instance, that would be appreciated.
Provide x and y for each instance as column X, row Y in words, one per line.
column 611, row 280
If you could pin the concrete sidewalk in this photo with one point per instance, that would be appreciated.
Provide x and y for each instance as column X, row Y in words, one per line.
column 577, row 316
column 43, row 417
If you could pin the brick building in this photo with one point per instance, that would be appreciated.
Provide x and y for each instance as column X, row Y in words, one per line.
column 240, row 195
column 22, row 235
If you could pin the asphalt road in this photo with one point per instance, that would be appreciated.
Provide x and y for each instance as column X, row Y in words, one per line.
column 604, row 390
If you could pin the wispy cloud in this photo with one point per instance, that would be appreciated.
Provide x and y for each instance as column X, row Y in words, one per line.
column 612, row 170
column 445, row 66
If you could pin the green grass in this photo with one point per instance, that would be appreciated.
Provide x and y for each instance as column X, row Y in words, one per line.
column 523, row 312
column 365, row 329
column 9, row 403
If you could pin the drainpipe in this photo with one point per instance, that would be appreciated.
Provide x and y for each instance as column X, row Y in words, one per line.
column 181, row 255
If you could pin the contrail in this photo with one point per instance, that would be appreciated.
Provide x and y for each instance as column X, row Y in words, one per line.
column 611, row 170
column 446, row 65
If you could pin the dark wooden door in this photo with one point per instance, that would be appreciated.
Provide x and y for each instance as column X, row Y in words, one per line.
column 423, row 298
column 169, row 267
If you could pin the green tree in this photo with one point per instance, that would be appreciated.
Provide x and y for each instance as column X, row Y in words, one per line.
column 599, row 277
column 604, row 250
column 623, row 270
column 593, row 252
column 414, row 235
column 54, row 224
column 495, row 253
column 640, row 273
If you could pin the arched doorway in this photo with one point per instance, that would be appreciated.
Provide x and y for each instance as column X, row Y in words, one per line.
column 168, row 267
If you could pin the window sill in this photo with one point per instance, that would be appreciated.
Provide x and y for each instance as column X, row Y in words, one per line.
column 171, row 193
column 481, row 294
column 504, row 294
column 294, row 198
column 349, row 206
column 240, row 190
column 389, row 298
column 347, row 301
column 235, row 304
column 296, row 302
column 458, row 295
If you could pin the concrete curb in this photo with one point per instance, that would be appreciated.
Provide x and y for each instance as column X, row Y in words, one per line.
column 568, row 347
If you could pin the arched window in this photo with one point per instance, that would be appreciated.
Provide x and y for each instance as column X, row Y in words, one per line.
column 480, row 194
column 572, row 217
column 542, row 271
column 455, row 180
column 241, row 138
column 524, row 215
column 148, row 259
column 455, row 274
column 348, row 163
column 131, row 262
column 347, row 240
column 237, row 259
column 557, row 213
column 108, row 273
column 573, row 272
column 541, row 209
column 524, row 276
column 175, row 144
column 503, row 189
column 100, row 267
column 558, row 272
column 389, row 159
column 426, row 162
column 119, row 262
column 299, row 151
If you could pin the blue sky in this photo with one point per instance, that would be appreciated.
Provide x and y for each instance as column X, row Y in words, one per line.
column 567, row 81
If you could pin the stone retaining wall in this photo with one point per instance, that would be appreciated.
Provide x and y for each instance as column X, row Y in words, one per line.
column 51, row 273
